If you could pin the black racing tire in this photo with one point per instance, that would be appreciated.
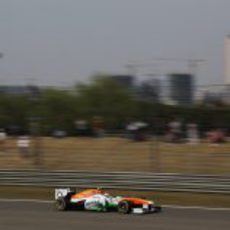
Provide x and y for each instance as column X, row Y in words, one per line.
column 124, row 207
column 61, row 204
column 158, row 209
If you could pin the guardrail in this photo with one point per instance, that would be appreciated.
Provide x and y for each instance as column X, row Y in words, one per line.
column 118, row 180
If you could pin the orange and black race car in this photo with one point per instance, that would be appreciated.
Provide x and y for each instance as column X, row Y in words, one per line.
column 100, row 200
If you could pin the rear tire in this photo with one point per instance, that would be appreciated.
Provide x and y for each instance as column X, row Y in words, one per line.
column 124, row 207
column 61, row 204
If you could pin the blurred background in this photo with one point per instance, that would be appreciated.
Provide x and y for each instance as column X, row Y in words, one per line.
column 146, row 91
column 116, row 123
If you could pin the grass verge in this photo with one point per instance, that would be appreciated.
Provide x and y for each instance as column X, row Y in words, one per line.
column 120, row 154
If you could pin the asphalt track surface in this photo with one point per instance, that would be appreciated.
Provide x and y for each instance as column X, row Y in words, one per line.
column 32, row 216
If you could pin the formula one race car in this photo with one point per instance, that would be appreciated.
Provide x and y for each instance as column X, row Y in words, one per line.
column 101, row 201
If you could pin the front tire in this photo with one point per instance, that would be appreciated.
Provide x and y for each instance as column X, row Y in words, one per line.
column 158, row 209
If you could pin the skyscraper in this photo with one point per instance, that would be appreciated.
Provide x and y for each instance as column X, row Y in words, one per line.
column 181, row 88
column 126, row 81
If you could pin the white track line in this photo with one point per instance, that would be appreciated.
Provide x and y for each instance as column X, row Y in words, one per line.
column 27, row 200
column 164, row 206
column 196, row 207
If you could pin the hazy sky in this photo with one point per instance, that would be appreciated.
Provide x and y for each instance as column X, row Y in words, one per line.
column 64, row 41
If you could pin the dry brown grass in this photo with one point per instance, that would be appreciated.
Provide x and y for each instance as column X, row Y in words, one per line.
column 119, row 154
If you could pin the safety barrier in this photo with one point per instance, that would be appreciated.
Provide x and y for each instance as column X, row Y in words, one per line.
column 117, row 180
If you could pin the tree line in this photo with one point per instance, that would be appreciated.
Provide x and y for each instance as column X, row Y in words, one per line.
column 58, row 109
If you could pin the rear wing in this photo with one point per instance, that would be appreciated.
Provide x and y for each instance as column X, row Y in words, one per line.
column 61, row 192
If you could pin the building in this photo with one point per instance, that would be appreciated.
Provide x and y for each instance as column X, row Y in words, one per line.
column 33, row 91
column 227, row 60
column 149, row 91
column 126, row 81
column 15, row 90
column 181, row 88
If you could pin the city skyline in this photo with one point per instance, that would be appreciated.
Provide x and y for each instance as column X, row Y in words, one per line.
column 55, row 42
